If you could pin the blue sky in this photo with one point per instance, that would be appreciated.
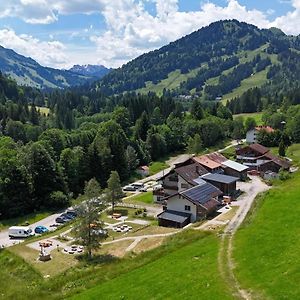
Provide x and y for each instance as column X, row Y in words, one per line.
column 60, row 33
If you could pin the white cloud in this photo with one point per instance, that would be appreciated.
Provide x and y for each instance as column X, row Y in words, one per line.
column 47, row 53
column 130, row 29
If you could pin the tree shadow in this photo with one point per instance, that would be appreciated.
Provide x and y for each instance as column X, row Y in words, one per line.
column 96, row 259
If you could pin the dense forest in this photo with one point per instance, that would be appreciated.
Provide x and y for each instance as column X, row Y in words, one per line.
column 45, row 160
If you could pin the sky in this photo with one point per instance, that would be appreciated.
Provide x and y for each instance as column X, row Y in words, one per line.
column 61, row 33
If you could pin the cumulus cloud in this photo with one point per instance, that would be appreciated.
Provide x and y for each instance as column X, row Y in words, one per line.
column 50, row 53
column 130, row 29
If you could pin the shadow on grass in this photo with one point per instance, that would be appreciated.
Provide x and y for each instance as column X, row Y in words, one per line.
column 96, row 259
column 122, row 211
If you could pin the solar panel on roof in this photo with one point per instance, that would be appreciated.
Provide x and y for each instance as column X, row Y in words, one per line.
column 201, row 193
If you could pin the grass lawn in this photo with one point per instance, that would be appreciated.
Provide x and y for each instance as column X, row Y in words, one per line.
column 256, row 116
column 266, row 248
column 16, row 276
column 169, row 276
column 58, row 264
column 115, row 249
column 31, row 218
column 148, row 244
column 141, row 198
column 157, row 166
column 293, row 152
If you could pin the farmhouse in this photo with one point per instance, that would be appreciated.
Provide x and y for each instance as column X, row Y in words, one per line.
column 259, row 158
column 190, row 205
column 251, row 136
column 178, row 179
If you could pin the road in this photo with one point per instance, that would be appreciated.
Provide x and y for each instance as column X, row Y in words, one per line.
column 7, row 242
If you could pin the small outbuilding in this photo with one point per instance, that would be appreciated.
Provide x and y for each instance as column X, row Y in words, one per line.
column 227, row 184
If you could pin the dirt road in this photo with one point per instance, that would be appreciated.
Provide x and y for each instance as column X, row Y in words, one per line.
column 225, row 258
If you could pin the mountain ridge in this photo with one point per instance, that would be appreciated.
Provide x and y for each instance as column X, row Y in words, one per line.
column 201, row 56
column 27, row 72
column 90, row 70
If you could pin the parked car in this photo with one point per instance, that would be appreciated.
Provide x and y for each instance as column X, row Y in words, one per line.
column 68, row 216
column 129, row 188
column 62, row 219
column 72, row 213
column 41, row 229
column 20, row 232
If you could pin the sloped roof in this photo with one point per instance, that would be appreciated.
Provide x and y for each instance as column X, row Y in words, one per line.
column 220, row 178
column 174, row 216
column 190, row 172
column 207, row 162
column 216, row 157
column 259, row 148
column 201, row 194
column 235, row 165
column 268, row 129
column 277, row 160
column 212, row 203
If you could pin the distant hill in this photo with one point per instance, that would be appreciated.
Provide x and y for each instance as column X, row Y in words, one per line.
column 90, row 70
column 219, row 61
column 26, row 71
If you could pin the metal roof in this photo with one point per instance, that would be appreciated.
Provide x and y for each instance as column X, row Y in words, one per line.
column 235, row 165
column 175, row 216
column 220, row 178
column 201, row 193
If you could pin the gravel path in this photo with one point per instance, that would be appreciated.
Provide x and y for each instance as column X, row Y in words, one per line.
column 225, row 258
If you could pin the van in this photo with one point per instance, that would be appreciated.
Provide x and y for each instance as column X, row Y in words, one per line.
column 20, row 232
column 138, row 185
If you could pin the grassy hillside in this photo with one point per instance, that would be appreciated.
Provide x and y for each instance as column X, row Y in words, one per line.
column 224, row 59
column 256, row 116
column 189, row 272
column 267, row 246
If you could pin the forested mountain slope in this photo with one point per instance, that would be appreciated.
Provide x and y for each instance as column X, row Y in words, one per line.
column 26, row 71
column 212, row 62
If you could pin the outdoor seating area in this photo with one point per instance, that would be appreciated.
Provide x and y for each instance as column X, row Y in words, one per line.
column 122, row 228
column 74, row 249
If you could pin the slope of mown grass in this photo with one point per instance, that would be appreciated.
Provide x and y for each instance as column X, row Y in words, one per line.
column 266, row 248
column 256, row 116
column 188, row 272
column 257, row 80
column 17, row 278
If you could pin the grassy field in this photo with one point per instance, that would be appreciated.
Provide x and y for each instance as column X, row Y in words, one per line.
column 31, row 218
column 16, row 276
column 141, row 198
column 157, row 166
column 256, row 116
column 292, row 152
column 266, row 248
column 257, row 80
column 191, row 265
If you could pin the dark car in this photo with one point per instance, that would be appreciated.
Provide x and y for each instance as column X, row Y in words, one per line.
column 71, row 213
column 62, row 219
column 67, row 216
column 41, row 229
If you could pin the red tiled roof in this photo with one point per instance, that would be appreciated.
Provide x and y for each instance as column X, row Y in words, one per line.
column 207, row 162
column 217, row 157
column 265, row 128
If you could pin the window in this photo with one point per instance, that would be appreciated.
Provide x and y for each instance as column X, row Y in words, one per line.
column 187, row 207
